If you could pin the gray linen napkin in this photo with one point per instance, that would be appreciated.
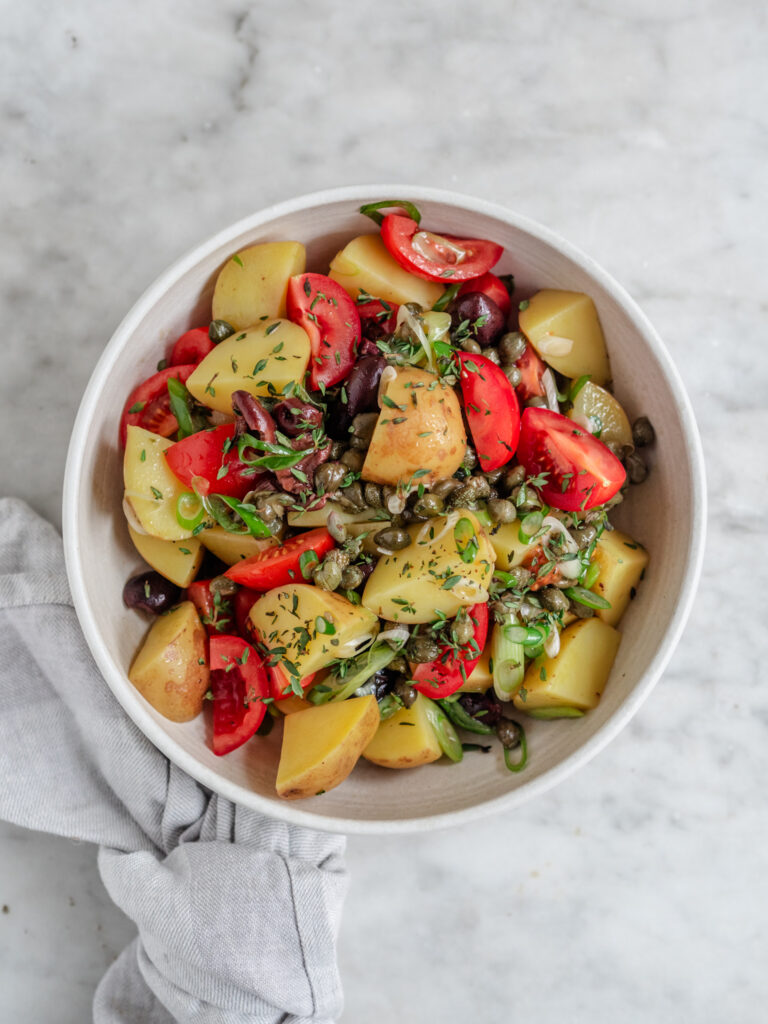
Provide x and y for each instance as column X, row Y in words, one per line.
column 237, row 914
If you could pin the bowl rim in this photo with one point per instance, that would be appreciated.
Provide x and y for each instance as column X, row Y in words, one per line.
column 290, row 812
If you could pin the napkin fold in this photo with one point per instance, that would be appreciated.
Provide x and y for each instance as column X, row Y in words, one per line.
column 237, row 914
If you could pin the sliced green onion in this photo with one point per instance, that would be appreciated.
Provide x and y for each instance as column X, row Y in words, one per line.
column 389, row 705
column 372, row 209
column 180, row 402
column 530, row 525
column 554, row 712
column 447, row 737
column 591, row 575
column 447, row 297
column 462, row 718
column 467, row 543
column 577, row 386
column 508, row 659
column 189, row 511
column 586, row 597
column 522, row 761
column 356, row 672
column 483, row 517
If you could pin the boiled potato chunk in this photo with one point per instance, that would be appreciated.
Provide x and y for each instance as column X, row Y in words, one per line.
column 508, row 547
column 171, row 670
column 177, row 560
column 234, row 547
column 419, row 428
column 309, row 627
column 622, row 562
column 480, row 678
column 263, row 361
column 576, row 677
column 252, row 284
column 150, row 486
column 310, row 518
column 430, row 575
column 321, row 745
column 600, row 413
column 364, row 264
column 406, row 740
column 565, row 330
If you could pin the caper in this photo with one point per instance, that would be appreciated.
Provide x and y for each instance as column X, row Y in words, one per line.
column 372, row 495
column 643, row 432
column 353, row 459
column 502, row 511
column 327, row 576
column 393, row 500
column 414, row 308
column 461, row 497
column 352, row 497
column 520, row 577
column 492, row 354
column 584, row 536
column 480, row 486
column 470, row 458
column 470, row 345
column 511, row 347
column 493, row 494
column 637, row 470
column 509, row 733
column 329, row 477
column 493, row 475
column 513, row 478
column 405, row 692
column 362, row 430
column 337, row 450
column 352, row 577
column 513, row 375
column 336, row 527
column 442, row 488
column 581, row 611
column 553, row 599
column 524, row 498
column 340, row 556
column 463, row 630
column 423, row 649
column 223, row 586
column 398, row 664
column 428, row 505
column 393, row 538
column 218, row 330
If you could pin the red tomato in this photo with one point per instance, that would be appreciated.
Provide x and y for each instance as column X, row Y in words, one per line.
column 491, row 286
column 531, row 368
column 443, row 258
column 242, row 603
column 148, row 405
column 203, row 455
column 534, row 561
column 382, row 314
column 444, row 676
column 274, row 567
column 581, row 471
column 192, row 347
column 238, row 684
column 330, row 318
column 280, row 682
column 216, row 613
column 492, row 410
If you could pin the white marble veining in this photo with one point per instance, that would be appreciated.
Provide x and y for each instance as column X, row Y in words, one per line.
column 636, row 891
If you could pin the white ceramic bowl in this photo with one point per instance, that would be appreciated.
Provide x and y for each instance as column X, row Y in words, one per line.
column 666, row 513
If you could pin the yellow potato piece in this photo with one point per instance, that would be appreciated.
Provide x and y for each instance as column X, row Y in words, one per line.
column 577, row 676
column 622, row 562
column 321, row 746
column 171, row 670
column 508, row 547
column 177, row 560
column 310, row 627
column 291, row 704
column 480, row 678
column 263, row 361
column 150, row 486
column 252, row 284
column 565, row 330
column 234, row 547
column 365, row 265
column 310, row 518
column 430, row 575
column 597, row 411
column 419, row 428
column 406, row 740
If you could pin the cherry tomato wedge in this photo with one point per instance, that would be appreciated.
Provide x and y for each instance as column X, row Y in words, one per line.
column 239, row 685
column 491, row 286
column 382, row 316
column 581, row 471
column 445, row 675
column 210, row 458
column 443, row 258
column 274, row 567
column 192, row 347
column 492, row 410
column 242, row 602
column 215, row 611
column 531, row 369
column 330, row 318
column 148, row 405
column 280, row 682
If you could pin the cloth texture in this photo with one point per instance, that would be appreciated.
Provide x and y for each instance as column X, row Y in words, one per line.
column 237, row 913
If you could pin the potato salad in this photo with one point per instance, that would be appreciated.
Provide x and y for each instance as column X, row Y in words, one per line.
column 373, row 499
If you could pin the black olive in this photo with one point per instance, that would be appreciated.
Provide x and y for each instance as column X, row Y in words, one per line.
column 150, row 591
column 362, row 393
column 484, row 320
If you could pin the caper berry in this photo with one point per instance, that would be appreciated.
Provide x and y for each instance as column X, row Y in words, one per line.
column 218, row 330
column 643, row 432
column 329, row 477
column 328, row 575
column 511, row 347
column 509, row 733
column 502, row 511
column 352, row 577
column 492, row 354
column 405, row 692
column 637, row 470
column 553, row 599
column 393, row 538
column 372, row 495
column 423, row 649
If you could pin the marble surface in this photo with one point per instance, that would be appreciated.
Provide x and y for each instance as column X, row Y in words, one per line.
column 636, row 890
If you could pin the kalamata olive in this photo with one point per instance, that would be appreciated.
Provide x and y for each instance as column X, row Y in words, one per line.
column 150, row 591
column 475, row 703
column 485, row 319
column 293, row 416
column 383, row 682
column 362, row 393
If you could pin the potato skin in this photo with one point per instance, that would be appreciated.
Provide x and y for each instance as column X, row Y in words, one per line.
column 424, row 430
column 171, row 669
